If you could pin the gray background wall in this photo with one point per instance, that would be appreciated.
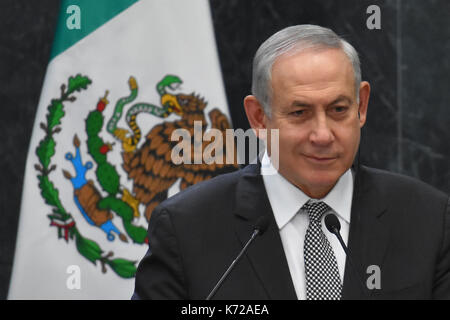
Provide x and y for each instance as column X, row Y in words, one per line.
column 406, row 63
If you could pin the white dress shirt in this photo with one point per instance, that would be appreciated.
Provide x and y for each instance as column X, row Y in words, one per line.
column 286, row 201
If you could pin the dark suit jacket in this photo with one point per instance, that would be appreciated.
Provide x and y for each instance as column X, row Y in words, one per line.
column 397, row 223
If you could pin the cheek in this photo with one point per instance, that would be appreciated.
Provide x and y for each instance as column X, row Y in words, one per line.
column 349, row 140
column 291, row 139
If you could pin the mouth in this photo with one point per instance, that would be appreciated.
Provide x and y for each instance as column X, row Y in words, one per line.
column 320, row 159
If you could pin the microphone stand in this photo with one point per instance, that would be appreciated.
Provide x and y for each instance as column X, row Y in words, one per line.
column 225, row 275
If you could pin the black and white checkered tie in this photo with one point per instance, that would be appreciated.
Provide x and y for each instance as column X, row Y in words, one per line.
column 322, row 273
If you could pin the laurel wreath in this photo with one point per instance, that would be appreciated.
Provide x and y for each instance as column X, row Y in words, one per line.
column 59, row 217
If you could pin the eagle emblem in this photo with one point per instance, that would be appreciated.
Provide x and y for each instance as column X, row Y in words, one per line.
column 111, row 196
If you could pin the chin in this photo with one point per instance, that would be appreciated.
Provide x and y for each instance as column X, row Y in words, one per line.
column 320, row 179
column 324, row 181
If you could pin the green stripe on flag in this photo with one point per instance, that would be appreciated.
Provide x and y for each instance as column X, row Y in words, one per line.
column 92, row 13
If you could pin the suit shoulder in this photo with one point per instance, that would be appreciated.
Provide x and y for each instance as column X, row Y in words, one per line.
column 219, row 183
column 217, row 192
column 396, row 183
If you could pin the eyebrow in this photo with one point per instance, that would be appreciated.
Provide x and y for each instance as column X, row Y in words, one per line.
column 340, row 98
column 299, row 103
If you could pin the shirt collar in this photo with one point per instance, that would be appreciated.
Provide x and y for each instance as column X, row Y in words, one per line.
column 286, row 199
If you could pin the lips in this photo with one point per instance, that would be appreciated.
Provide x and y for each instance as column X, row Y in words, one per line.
column 320, row 159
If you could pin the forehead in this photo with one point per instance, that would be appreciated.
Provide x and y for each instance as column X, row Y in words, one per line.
column 313, row 70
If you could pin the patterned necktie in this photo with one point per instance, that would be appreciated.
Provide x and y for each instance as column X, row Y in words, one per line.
column 322, row 273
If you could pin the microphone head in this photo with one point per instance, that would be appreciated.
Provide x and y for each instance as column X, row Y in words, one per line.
column 262, row 224
column 332, row 223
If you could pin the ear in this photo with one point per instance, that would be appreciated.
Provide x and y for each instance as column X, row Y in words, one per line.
column 255, row 115
column 364, row 93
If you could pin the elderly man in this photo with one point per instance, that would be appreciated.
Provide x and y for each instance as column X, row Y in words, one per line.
column 307, row 86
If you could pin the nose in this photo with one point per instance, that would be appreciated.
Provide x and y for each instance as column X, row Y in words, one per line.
column 321, row 133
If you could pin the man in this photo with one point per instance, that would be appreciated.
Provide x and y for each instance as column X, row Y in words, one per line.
column 307, row 85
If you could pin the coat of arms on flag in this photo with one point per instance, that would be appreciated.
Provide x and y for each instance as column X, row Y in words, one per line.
column 99, row 197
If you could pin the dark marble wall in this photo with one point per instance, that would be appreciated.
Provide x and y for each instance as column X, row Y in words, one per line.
column 425, row 91
column 26, row 33
column 240, row 29
column 405, row 62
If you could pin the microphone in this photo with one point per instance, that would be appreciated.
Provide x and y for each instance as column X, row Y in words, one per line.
column 334, row 226
column 260, row 227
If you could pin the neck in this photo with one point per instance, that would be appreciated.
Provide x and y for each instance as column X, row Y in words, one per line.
column 316, row 193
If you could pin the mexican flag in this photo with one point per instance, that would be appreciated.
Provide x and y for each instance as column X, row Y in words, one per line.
column 123, row 75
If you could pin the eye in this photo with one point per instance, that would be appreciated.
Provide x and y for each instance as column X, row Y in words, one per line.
column 339, row 109
column 298, row 113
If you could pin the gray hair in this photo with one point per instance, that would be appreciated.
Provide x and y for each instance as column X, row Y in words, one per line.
column 294, row 39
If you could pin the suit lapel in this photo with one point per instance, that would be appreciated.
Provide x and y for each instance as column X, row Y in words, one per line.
column 266, row 254
column 368, row 236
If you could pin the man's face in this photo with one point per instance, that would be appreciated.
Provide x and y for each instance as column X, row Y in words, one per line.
column 315, row 109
